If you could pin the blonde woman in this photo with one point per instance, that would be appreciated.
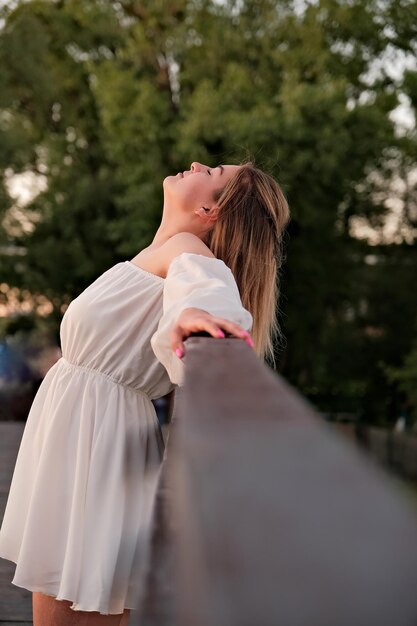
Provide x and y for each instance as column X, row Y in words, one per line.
column 79, row 509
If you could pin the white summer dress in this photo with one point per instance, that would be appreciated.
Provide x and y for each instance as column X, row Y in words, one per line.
column 78, row 514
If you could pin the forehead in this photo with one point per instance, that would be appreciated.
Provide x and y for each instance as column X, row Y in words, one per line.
column 230, row 170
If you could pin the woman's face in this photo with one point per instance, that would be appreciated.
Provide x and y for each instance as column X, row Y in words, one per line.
column 194, row 188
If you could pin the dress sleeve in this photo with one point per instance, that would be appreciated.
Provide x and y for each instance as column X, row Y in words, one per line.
column 195, row 280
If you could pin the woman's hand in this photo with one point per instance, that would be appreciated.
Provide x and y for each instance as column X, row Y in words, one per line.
column 194, row 320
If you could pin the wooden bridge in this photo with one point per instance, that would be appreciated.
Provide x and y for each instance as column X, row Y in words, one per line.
column 263, row 514
column 15, row 603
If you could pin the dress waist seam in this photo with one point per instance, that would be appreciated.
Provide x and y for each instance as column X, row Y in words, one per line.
column 92, row 370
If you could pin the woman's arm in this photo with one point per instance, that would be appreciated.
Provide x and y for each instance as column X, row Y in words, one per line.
column 200, row 294
column 194, row 319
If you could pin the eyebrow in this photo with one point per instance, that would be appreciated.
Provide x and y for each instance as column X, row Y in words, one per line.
column 221, row 169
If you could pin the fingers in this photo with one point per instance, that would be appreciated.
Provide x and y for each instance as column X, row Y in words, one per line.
column 179, row 333
column 235, row 329
column 215, row 326
column 176, row 339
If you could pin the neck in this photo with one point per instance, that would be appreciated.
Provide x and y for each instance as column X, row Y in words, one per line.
column 170, row 227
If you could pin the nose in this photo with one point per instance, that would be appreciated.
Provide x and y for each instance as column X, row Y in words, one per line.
column 196, row 166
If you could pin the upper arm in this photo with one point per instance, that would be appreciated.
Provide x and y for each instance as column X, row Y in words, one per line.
column 183, row 242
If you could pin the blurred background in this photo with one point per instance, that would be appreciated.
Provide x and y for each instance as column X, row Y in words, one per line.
column 100, row 100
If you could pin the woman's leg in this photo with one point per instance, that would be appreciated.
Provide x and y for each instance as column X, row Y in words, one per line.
column 47, row 611
column 125, row 618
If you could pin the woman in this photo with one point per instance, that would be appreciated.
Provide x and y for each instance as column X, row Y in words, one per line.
column 80, row 503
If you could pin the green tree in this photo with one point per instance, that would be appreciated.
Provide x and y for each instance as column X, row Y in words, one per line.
column 105, row 99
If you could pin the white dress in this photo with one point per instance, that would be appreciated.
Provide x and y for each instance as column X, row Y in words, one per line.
column 77, row 519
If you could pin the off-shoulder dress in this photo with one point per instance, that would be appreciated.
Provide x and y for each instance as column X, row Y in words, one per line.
column 78, row 514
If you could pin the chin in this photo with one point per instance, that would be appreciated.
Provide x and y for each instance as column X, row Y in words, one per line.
column 170, row 179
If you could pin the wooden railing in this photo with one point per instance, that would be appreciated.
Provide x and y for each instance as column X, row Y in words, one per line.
column 265, row 516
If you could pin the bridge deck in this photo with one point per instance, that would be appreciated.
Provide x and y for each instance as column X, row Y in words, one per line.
column 15, row 603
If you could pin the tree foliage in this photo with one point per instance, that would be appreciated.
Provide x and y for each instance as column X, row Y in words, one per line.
column 104, row 99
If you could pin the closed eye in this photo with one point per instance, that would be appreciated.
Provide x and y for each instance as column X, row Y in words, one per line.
column 208, row 172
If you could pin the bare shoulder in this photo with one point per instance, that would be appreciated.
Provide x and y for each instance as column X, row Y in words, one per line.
column 179, row 243
column 157, row 260
column 183, row 242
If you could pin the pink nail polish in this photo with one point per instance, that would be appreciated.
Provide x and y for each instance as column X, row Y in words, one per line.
column 179, row 353
column 221, row 333
column 250, row 342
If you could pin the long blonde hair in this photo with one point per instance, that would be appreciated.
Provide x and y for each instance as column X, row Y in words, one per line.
column 247, row 236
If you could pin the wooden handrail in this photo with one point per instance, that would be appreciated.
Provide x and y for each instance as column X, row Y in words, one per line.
column 265, row 515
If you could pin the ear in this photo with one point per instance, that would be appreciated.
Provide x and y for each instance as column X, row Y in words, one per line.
column 207, row 214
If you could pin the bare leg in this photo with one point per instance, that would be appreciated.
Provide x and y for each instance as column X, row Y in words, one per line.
column 125, row 618
column 47, row 611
